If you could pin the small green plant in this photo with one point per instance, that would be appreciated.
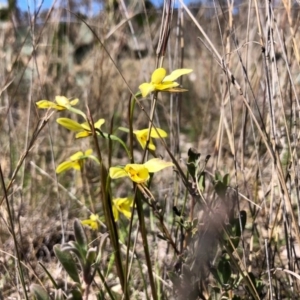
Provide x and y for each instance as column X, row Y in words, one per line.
column 80, row 261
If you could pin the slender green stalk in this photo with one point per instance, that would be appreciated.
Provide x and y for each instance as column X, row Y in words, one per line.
column 140, row 211
column 107, row 207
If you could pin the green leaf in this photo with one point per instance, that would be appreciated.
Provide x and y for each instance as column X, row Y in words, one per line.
column 72, row 247
column 224, row 270
column 201, row 181
column 193, row 160
column 221, row 184
column 235, row 230
column 257, row 283
column 238, row 224
column 38, row 292
column 124, row 129
column 91, row 255
column 80, row 236
column 226, row 180
column 77, row 111
column 76, row 295
column 68, row 262
column 215, row 274
column 218, row 176
column 115, row 138
column 220, row 189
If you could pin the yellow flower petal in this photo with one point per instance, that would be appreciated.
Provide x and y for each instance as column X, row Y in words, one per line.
column 94, row 217
column 69, row 124
column 44, row 104
column 177, row 73
column 64, row 166
column 161, row 132
column 137, row 173
column 151, row 145
column 82, row 134
column 164, row 86
column 86, row 126
column 161, row 82
column 76, row 156
column 117, row 172
column 156, row 164
column 88, row 152
column 122, row 205
column 177, row 90
column 92, row 222
column 143, row 141
column 74, row 102
column 115, row 213
column 76, row 161
column 141, row 136
column 158, row 75
column 146, row 88
column 99, row 123
column 77, row 165
column 62, row 101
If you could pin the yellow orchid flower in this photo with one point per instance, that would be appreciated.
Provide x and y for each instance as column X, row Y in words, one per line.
column 62, row 103
column 161, row 82
column 76, row 161
column 122, row 205
column 84, row 128
column 142, row 136
column 92, row 222
column 139, row 173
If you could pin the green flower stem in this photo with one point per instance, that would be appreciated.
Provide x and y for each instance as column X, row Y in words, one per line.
column 112, row 137
column 131, row 107
column 77, row 111
column 153, row 106
column 111, row 225
column 108, row 214
column 128, row 247
column 140, row 211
